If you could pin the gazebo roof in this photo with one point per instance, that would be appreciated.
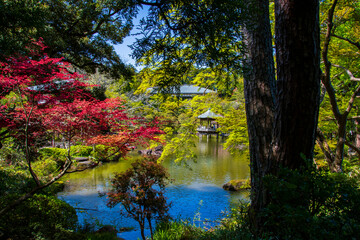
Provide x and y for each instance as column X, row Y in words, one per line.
column 209, row 115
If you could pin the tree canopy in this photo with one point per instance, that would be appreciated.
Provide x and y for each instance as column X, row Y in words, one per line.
column 83, row 32
column 41, row 98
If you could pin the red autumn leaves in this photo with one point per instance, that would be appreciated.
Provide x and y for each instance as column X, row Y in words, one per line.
column 40, row 96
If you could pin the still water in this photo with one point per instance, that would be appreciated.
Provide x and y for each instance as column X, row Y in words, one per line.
column 196, row 192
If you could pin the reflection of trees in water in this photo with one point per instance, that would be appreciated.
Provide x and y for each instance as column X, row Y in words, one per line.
column 96, row 179
column 214, row 166
column 218, row 163
column 210, row 146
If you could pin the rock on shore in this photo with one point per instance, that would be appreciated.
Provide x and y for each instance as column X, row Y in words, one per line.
column 154, row 152
column 236, row 185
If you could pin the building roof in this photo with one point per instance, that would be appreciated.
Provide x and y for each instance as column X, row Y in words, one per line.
column 186, row 90
column 192, row 89
column 209, row 115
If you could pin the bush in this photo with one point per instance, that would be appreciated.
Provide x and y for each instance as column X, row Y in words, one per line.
column 100, row 236
column 103, row 153
column 140, row 190
column 55, row 154
column 176, row 230
column 14, row 180
column 80, row 151
column 45, row 167
column 312, row 204
column 61, row 153
column 234, row 226
column 40, row 217
column 10, row 154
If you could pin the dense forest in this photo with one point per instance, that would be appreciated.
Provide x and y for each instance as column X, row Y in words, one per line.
column 283, row 75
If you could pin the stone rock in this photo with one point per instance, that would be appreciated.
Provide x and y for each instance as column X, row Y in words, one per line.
column 154, row 152
column 236, row 185
column 82, row 165
column 107, row 229
column 81, row 159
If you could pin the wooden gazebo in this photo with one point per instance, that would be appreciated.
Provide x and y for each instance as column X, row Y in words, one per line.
column 208, row 125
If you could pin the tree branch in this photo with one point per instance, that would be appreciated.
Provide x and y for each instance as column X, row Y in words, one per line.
column 356, row 149
column 324, row 146
column 325, row 78
column 356, row 44
column 352, row 99
column 349, row 73
column 166, row 19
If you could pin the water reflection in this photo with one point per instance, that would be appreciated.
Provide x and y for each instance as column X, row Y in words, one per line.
column 196, row 190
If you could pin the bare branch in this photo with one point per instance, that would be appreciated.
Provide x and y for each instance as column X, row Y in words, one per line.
column 356, row 44
column 324, row 146
column 356, row 149
column 325, row 77
column 352, row 99
column 349, row 73
column 333, row 119
column 323, row 92
column 354, row 118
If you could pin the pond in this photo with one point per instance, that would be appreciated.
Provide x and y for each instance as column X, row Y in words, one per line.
column 196, row 192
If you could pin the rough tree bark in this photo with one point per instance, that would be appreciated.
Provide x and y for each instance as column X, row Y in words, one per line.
column 281, row 119
column 298, row 80
column 259, row 88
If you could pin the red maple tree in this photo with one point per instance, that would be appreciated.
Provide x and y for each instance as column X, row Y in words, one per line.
column 41, row 96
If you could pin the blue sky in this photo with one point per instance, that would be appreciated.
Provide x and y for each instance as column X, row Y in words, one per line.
column 123, row 50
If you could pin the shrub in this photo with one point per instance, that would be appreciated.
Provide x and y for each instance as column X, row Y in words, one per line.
column 312, row 204
column 40, row 217
column 176, row 230
column 104, row 153
column 45, row 167
column 140, row 190
column 10, row 154
column 100, row 236
column 14, row 180
column 81, row 151
column 56, row 154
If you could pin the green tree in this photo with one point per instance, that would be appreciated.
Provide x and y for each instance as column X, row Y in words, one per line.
column 234, row 123
column 224, row 82
column 83, row 32
column 40, row 97
column 281, row 115
column 140, row 190
column 340, row 62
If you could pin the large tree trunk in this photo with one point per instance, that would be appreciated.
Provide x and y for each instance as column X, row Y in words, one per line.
column 280, row 136
column 259, row 87
column 298, row 81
